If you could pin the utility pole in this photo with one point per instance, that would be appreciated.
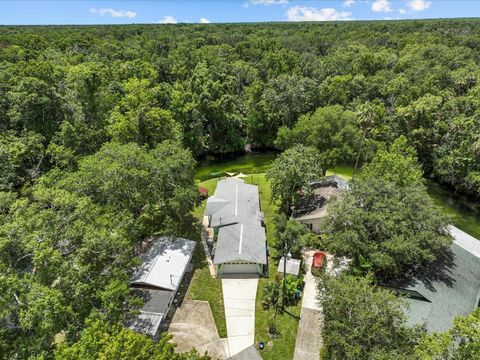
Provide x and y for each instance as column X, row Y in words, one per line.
column 285, row 256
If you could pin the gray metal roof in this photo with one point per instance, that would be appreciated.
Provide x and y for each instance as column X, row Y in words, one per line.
column 465, row 241
column 449, row 287
column 234, row 201
column 293, row 266
column 241, row 242
column 164, row 263
column 155, row 306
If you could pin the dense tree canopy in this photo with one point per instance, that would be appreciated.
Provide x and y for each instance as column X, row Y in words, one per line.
column 291, row 173
column 386, row 229
column 220, row 88
column 462, row 341
column 332, row 130
column 397, row 165
column 364, row 322
column 100, row 340
column 100, row 126
column 387, row 223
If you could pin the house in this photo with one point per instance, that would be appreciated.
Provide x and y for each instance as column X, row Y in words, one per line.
column 292, row 266
column 234, row 214
column 310, row 210
column 157, row 280
column 447, row 288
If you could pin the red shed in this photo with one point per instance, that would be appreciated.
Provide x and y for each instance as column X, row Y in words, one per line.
column 319, row 259
column 203, row 192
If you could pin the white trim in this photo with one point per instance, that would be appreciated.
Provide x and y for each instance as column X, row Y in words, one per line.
column 241, row 239
column 236, row 200
column 465, row 241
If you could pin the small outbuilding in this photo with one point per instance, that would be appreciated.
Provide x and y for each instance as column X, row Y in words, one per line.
column 157, row 280
column 293, row 266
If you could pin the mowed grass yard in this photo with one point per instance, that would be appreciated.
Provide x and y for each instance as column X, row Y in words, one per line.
column 284, row 346
column 203, row 286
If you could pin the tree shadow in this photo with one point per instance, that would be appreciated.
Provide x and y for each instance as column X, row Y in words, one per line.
column 441, row 270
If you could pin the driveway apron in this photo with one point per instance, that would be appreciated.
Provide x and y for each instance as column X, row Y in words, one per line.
column 239, row 302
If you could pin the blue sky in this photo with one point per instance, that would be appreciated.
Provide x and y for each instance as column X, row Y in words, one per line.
column 214, row 11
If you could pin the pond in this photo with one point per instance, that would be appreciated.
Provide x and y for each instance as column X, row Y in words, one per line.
column 465, row 214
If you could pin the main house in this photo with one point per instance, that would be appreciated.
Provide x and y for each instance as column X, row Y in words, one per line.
column 310, row 210
column 157, row 280
column 447, row 288
column 234, row 214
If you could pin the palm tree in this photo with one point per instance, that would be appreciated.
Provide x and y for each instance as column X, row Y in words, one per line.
column 366, row 118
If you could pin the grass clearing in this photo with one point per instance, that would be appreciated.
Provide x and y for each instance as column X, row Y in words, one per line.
column 203, row 286
column 248, row 164
column 284, row 346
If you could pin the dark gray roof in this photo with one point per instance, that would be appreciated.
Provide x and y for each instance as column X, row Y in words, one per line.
column 155, row 306
column 249, row 353
column 293, row 266
column 234, row 201
column 241, row 242
column 332, row 180
column 447, row 288
column 307, row 205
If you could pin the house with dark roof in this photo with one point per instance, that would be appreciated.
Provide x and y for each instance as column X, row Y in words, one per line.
column 448, row 288
column 157, row 280
column 311, row 209
column 234, row 214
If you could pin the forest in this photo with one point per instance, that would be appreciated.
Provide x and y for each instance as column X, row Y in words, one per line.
column 101, row 128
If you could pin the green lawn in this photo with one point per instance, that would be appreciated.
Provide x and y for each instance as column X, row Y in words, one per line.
column 284, row 346
column 345, row 171
column 465, row 215
column 203, row 286
column 248, row 164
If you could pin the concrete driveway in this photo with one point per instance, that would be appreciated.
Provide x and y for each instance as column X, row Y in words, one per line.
column 239, row 302
column 193, row 327
column 309, row 339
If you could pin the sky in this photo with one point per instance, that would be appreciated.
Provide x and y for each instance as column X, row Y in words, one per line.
column 38, row 12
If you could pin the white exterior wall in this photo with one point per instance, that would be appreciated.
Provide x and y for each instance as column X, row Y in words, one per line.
column 239, row 268
column 315, row 224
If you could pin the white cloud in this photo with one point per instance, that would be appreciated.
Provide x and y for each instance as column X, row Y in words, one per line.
column 299, row 13
column 381, row 6
column 419, row 5
column 348, row 3
column 402, row 11
column 204, row 21
column 269, row 2
column 113, row 13
column 168, row 20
